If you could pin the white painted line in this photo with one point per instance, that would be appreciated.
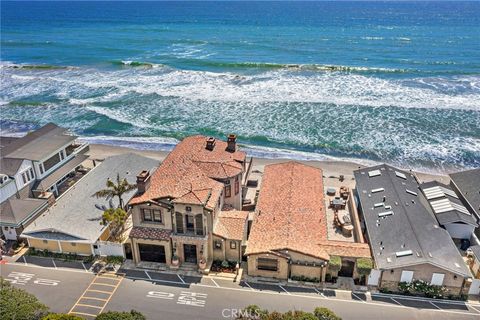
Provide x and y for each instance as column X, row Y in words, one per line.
column 475, row 308
column 319, row 292
column 181, row 279
column 158, row 280
column 435, row 306
column 353, row 294
column 216, row 284
column 396, row 302
column 53, row 261
column 148, row 275
column 41, row 267
column 418, row 298
column 248, row 285
column 284, row 289
column 25, row 261
column 84, row 267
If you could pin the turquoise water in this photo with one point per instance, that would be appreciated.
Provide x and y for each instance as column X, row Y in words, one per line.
column 372, row 81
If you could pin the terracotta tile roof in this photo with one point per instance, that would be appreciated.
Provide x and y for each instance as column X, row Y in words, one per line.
column 231, row 224
column 187, row 174
column 290, row 215
column 150, row 233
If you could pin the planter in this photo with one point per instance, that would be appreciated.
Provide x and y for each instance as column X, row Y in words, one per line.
column 175, row 262
column 202, row 264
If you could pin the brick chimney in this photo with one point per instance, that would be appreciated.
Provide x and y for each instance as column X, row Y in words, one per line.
column 232, row 142
column 210, row 143
column 143, row 181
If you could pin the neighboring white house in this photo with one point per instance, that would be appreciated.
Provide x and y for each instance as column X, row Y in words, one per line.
column 31, row 170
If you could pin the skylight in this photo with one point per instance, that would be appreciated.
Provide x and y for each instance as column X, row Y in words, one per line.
column 411, row 192
column 386, row 213
column 374, row 173
column 401, row 175
column 403, row 253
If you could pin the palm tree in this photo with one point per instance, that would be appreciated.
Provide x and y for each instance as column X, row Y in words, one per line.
column 115, row 190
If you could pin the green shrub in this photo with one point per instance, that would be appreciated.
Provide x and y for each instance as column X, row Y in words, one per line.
column 325, row 314
column 364, row 266
column 225, row 264
column 115, row 259
column 61, row 316
column 89, row 259
column 115, row 315
column 335, row 264
column 18, row 304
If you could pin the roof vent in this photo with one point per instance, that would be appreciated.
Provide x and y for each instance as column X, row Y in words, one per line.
column 377, row 190
column 401, row 175
column 384, row 214
column 210, row 143
column 411, row 192
column 389, row 260
column 430, row 255
column 457, row 265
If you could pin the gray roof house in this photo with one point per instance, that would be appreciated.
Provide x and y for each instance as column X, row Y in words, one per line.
column 449, row 210
column 467, row 186
column 403, row 232
column 76, row 216
column 31, row 167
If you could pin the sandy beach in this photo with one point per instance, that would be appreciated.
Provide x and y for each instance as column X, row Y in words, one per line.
column 331, row 169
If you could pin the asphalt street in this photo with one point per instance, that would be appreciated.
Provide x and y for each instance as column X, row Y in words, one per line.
column 168, row 296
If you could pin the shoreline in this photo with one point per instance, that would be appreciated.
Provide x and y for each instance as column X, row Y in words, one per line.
column 331, row 168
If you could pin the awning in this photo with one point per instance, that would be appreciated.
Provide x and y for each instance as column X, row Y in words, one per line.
column 61, row 172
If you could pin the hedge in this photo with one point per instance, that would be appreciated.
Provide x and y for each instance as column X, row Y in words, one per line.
column 335, row 264
column 18, row 304
column 364, row 266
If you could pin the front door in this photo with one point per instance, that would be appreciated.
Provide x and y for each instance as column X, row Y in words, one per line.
column 190, row 253
column 347, row 268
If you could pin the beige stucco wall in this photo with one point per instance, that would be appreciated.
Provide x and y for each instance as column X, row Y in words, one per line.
column 281, row 273
column 423, row 272
column 226, row 252
column 50, row 245
column 235, row 200
column 306, row 271
column 78, row 248
column 200, row 243
column 105, row 235
column 137, row 218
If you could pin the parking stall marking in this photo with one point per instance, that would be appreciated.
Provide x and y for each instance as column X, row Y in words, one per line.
column 109, row 290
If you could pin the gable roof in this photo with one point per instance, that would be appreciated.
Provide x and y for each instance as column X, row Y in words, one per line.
column 188, row 173
column 290, row 214
column 38, row 144
column 400, row 226
column 445, row 204
column 14, row 212
column 467, row 182
column 77, row 213
column 231, row 224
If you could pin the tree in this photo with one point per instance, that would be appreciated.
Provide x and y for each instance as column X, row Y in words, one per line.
column 325, row 314
column 116, row 218
column 115, row 315
column 117, row 189
column 334, row 265
column 18, row 304
column 61, row 316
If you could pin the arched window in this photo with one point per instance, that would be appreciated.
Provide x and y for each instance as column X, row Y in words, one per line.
column 199, row 224
column 179, row 222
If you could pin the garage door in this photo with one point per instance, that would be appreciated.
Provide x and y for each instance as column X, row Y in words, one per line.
column 152, row 253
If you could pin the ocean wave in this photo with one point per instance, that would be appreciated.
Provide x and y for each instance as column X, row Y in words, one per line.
column 8, row 65
column 130, row 63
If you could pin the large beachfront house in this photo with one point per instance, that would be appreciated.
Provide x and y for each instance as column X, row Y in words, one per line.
column 178, row 211
column 406, row 240
column 289, row 236
column 73, row 223
column 32, row 168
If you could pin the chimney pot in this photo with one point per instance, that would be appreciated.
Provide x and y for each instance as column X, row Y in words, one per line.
column 210, row 143
column 143, row 181
column 232, row 142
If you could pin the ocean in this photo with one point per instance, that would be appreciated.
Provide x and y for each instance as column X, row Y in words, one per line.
column 395, row 82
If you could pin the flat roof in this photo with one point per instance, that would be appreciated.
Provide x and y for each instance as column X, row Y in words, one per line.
column 77, row 213
column 411, row 234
